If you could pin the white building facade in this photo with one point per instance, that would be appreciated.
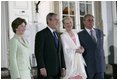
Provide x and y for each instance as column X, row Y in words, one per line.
column 104, row 12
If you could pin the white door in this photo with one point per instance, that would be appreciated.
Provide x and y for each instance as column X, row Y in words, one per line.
column 21, row 9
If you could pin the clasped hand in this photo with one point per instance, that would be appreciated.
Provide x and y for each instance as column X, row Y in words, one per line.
column 80, row 50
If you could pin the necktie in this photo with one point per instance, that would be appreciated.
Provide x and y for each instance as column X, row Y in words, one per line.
column 92, row 35
column 55, row 38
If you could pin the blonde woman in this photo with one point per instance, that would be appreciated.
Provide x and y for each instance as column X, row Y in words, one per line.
column 72, row 52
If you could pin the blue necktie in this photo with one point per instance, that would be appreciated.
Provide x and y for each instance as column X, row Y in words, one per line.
column 92, row 36
column 55, row 39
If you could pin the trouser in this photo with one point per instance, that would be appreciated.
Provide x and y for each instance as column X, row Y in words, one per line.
column 56, row 76
column 99, row 75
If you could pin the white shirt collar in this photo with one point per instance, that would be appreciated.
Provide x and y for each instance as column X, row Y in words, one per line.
column 51, row 29
column 88, row 30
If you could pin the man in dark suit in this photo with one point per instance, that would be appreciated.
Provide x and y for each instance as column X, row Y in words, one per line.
column 92, row 41
column 48, row 50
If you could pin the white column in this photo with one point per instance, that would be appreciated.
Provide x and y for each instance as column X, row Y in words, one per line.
column 105, row 28
column 115, row 30
column 107, row 17
column 4, row 34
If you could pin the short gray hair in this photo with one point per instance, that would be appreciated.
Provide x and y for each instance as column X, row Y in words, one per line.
column 49, row 16
column 87, row 15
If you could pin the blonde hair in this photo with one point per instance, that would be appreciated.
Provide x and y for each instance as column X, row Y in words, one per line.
column 67, row 18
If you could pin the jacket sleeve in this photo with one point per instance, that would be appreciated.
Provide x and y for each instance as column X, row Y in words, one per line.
column 62, row 59
column 14, row 71
column 39, row 52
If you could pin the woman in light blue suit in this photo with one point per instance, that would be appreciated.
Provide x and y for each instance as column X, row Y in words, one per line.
column 19, row 51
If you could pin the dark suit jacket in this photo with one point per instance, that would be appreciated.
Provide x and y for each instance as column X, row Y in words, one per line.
column 94, row 53
column 47, row 55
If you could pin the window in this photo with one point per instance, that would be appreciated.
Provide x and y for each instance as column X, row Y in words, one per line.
column 85, row 7
column 76, row 10
column 68, row 9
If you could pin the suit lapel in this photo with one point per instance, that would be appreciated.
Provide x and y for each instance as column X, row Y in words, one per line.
column 88, row 36
column 97, row 36
column 50, row 35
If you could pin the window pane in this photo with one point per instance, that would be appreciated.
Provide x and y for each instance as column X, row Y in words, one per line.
column 89, row 8
column 81, row 23
column 82, row 1
column 89, row 2
column 72, row 8
column 82, row 9
column 65, row 7
column 73, row 17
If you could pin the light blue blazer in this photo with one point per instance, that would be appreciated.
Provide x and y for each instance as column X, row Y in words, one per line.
column 19, row 58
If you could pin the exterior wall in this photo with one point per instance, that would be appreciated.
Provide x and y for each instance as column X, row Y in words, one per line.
column 39, row 23
column 108, row 28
